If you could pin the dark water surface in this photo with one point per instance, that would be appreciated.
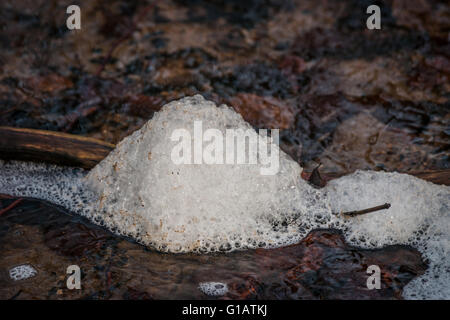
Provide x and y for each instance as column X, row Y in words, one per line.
column 322, row 266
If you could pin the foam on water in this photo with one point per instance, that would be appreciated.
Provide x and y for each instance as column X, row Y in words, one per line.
column 60, row 185
column 22, row 272
column 198, row 207
column 213, row 289
column 419, row 216
column 138, row 191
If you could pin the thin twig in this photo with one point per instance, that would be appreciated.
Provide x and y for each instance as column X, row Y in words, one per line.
column 12, row 205
column 359, row 212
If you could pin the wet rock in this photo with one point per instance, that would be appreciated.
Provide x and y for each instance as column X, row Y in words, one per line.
column 75, row 240
column 133, row 294
column 258, row 78
column 263, row 112
column 364, row 142
column 320, row 43
column 49, row 83
column 317, row 118
column 323, row 266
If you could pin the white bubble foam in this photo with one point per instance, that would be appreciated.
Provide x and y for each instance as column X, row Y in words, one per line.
column 202, row 208
column 22, row 272
column 139, row 192
column 60, row 185
column 214, row 289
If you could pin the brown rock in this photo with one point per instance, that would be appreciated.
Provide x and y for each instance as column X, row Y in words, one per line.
column 49, row 83
column 263, row 112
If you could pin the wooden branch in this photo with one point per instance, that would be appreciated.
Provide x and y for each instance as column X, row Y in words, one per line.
column 368, row 210
column 436, row 176
column 51, row 147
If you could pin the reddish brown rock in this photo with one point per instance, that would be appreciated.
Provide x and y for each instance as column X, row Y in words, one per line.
column 263, row 112
column 49, row 83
